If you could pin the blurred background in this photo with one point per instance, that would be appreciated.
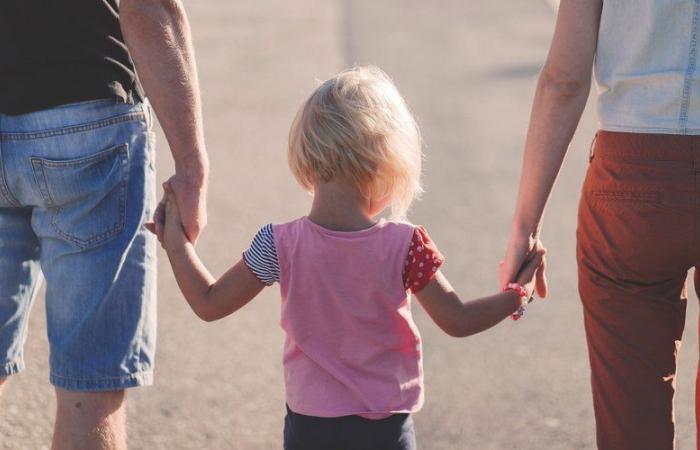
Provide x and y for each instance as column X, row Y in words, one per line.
column 468, row 70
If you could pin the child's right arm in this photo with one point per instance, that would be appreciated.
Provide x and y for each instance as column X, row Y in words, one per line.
column 461, row 319
column 209, row 298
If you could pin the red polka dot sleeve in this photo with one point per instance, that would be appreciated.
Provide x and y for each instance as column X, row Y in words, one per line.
column 422, row 262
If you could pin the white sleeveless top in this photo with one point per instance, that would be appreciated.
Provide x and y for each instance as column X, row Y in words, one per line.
column 646, row 66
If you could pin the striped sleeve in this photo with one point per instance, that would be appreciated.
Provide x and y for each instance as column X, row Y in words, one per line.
column 261, row 257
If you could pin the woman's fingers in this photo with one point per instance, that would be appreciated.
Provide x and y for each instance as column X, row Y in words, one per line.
column 541, row 279
column 527, row 272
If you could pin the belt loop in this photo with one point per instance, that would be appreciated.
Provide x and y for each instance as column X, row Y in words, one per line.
column 591, row 150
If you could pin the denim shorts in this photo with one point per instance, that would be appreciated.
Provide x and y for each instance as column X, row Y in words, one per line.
column 77, row 183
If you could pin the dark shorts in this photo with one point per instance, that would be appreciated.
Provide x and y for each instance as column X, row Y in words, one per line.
column 348, row 433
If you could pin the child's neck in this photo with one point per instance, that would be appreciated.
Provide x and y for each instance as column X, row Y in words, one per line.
column 340, row 207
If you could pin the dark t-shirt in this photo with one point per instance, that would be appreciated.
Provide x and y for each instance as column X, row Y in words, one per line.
column 54, row 52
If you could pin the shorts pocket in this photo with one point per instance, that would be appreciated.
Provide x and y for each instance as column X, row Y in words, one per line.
column 87, row 195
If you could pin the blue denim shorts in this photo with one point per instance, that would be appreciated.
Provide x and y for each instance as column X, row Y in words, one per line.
column 77, row 183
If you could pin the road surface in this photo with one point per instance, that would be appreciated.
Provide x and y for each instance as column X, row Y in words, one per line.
column 468, row 70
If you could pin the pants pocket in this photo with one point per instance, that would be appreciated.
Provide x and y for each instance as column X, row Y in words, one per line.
column 87, row 195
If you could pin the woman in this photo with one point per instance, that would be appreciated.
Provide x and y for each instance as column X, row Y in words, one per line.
column 639, row 215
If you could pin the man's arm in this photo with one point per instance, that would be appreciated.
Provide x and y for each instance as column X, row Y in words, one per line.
column 158, row 36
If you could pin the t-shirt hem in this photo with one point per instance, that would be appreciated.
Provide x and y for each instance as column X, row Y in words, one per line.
column 649, row 130
column 343, row 413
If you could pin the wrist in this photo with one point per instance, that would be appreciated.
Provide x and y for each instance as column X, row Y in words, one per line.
column 520, row 298
column 521, row 232
column 194, row 169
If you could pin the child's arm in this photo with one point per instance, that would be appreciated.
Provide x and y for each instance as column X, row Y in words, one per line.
column 209, row 298
column 461, row 319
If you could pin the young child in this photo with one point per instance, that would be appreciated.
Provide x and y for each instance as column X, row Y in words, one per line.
column 352, row 354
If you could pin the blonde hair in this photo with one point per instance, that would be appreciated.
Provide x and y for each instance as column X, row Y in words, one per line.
column 357, row 128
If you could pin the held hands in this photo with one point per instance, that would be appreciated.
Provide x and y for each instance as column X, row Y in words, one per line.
column 527, row 275
column 518, row 259
column 169, row 226
column 190, row 196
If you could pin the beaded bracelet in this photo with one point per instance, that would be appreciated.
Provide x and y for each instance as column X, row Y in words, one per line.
column 522, row 292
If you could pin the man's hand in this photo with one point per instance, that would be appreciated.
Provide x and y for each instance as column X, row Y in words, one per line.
column 192, row 206
column 517, row 253
column 173, row 229
column 191, row 197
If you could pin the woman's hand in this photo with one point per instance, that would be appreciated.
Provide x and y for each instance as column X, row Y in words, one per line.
column 517, row 254
column 529, row 274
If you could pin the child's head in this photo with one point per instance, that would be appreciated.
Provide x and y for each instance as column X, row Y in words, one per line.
column 356, row 129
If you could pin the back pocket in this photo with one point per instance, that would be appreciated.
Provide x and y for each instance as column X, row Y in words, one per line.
column 87, row 195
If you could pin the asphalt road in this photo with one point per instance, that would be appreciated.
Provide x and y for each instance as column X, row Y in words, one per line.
column 468, row 70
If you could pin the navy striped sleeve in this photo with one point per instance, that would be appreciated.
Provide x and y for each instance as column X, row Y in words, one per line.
column 261, row 257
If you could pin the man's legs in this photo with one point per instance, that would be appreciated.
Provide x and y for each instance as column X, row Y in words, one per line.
column 91, row 184
column 19, row 281
column 90, row 420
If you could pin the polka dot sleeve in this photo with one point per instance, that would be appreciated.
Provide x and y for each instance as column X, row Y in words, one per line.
column 422, row 262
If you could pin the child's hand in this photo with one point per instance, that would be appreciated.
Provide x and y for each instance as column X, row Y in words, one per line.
column 173, row 232
column 526, row 276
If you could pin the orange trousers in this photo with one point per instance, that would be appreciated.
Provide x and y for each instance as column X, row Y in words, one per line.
column 638, row 235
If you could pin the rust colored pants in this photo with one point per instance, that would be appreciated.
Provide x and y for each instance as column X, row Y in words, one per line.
column 638, row 235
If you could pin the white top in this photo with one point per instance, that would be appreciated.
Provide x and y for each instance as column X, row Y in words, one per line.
column 645, row 66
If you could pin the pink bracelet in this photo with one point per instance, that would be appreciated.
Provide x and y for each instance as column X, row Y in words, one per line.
column 522, row 292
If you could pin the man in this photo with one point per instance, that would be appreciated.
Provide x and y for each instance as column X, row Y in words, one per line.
column 77, row 185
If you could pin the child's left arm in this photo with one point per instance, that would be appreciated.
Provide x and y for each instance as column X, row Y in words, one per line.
column 461, row 319
column 209, row 298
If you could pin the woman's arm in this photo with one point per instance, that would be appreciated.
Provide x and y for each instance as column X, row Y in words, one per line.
column 461, row 319
column 562, row 91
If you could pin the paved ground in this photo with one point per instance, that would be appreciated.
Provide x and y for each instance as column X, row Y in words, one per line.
column 468, row 70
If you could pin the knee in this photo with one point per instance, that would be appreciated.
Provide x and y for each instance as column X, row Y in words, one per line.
column 90, row 420
column 95, row 404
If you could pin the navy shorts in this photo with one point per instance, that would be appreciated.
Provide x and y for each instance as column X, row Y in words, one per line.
column 348, row 433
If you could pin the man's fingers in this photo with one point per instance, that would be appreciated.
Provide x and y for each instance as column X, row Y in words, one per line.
column 159, row 213
column 159, row 231
column 159, row 221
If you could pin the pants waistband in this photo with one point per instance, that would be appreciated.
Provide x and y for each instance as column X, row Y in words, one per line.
column 644, row 146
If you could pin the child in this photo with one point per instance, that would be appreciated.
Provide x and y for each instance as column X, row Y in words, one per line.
column 352, row 354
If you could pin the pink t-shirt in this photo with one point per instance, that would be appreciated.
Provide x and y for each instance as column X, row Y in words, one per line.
column 351, row 344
